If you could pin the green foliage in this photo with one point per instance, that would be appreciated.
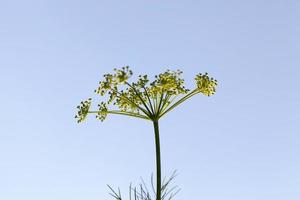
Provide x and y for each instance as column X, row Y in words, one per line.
column 142, row 192
column 143, row 99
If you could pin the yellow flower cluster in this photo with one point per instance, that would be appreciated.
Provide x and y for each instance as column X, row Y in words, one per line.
column 111, row 81
column 101, row 115
column 169, row 83
column 205, row 84
column 83, row 110
column 143, row 99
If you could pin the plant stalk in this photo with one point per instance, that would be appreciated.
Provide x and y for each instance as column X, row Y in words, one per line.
column 158, row 163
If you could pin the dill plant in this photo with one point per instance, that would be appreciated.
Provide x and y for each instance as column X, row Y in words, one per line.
column 149, row 101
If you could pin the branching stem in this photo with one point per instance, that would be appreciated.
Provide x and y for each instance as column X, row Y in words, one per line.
column 180, row 101
column 139, row 96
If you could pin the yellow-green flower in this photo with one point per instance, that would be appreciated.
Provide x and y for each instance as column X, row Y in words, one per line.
column 143, row 99
column 83, row 110
column 101, row 115
column 205, row 84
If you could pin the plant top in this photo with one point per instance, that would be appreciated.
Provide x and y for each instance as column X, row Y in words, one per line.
column 143, row 99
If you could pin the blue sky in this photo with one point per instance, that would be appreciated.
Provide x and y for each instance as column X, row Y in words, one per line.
column 242, row 143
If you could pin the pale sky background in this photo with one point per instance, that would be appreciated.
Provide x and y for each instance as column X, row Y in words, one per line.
column 241, row 144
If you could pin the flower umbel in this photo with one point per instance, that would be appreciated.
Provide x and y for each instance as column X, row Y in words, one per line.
column 101, row 115
column 143, row 99
column 205, row 84
column 83, row 110
column 169, row 83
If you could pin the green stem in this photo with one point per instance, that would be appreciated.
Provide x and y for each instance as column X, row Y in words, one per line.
column 117, row 112
column 151, row 107
column 159, row 105
column 180, row 101
column 165, row 103
column 158, row 163
column 142, row 100
column 128, row 100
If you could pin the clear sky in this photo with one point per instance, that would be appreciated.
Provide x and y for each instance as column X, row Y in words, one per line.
column 241, row 144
